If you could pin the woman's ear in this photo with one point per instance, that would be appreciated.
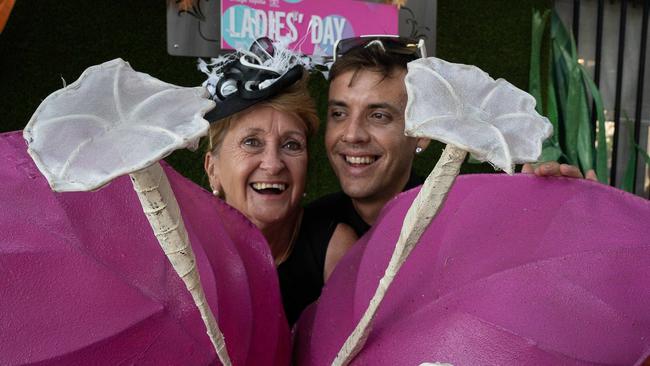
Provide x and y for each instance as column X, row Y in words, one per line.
column 212, row 170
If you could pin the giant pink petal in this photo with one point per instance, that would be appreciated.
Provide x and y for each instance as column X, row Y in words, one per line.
column 513, row 270
column 83, row 281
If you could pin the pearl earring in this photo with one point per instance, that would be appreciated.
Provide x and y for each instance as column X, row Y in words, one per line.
column 215, row 192
column 418, row 150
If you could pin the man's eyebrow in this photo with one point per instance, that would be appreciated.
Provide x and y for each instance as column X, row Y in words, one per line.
column 388, row 106
column 336, row 103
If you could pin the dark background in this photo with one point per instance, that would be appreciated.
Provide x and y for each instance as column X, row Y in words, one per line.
column 46, row 41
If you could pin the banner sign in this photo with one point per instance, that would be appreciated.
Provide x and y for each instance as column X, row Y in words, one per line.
column 313, row 26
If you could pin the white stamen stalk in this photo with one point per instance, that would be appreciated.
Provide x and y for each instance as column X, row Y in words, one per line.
column 419, row 216
column 163, row 213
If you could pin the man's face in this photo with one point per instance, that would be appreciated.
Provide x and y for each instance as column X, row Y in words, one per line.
column 365, row 138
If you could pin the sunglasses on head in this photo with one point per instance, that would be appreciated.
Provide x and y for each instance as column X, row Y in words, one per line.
column 388, row 43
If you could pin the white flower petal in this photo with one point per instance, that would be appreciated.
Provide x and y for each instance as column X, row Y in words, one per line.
column 463, row 106
column 111, row 122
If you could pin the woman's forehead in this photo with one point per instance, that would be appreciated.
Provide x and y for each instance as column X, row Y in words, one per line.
column 267, row 120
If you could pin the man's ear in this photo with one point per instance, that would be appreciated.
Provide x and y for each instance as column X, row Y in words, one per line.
column 422, row 143
column 212, row 170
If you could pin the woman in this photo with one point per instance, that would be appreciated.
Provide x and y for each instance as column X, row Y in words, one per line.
column 257, row 162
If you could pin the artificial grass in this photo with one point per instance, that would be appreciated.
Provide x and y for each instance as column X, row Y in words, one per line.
column 47, row 41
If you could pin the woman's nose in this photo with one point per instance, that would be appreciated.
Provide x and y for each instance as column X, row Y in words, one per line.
column 272, row 161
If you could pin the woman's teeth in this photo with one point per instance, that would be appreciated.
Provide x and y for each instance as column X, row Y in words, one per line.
column 277, row 187
column 360, row 159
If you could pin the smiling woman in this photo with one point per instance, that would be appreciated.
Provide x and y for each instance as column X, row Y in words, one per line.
column 257, row 163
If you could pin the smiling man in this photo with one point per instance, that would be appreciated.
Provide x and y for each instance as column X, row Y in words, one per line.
column 364, row 137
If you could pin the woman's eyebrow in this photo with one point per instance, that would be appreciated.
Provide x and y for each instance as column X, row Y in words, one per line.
column 294, row 132
column 254, row 130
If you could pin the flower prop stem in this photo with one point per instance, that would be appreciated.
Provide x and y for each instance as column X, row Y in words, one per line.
column 162, row 211
column 424, row 208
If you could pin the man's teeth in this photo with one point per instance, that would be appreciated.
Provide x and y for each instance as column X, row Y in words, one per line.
column 360, row 159
column 278, row 186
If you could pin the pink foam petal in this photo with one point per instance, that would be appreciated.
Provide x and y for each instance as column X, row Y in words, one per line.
column 514, row 270
column 84, row 281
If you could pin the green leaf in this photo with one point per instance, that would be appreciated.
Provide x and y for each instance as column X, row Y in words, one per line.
column 628, row 179
column 561, row 35
column 534, row 75
column 585, row 146
column 630, row 167
column 602, row 171
column 573, row 113
column 644, row 154
column 551, row 109
column 550, row 151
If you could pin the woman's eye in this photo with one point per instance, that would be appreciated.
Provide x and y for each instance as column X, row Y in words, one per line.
column 251, row 142
column 293, row 145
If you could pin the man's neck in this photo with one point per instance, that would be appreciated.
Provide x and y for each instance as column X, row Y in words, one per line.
column 370, row 207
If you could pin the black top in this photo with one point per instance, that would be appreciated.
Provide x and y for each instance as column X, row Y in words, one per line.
column 340, row 209
column 301, row 275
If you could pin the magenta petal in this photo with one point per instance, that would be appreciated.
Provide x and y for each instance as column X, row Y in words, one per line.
column 83, row 281
column 514, row 270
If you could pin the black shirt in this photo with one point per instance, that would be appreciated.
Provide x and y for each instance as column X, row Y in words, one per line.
column 340, row 209
column 301, row 274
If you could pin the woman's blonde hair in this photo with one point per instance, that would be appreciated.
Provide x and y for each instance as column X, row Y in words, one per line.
column 295, row 100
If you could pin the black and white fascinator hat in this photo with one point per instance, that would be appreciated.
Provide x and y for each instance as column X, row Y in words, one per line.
column 241, row 79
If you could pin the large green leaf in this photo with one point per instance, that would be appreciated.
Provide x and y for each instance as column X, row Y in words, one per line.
column 630, row 167
column 551, row 109
column 550, row 151
column 643, row 153
column 534, row 74
column 585, row 145
column 573, row 112
column 602, row 171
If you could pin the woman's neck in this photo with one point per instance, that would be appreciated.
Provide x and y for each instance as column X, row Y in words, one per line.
column 281, row 235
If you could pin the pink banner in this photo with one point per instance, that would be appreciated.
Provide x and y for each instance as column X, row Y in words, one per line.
column 313, row 26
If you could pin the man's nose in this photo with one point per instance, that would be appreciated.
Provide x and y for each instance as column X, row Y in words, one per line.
column 272, row 161
column 355, row 131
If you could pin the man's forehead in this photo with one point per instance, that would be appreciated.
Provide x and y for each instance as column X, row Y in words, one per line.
column 368, row 87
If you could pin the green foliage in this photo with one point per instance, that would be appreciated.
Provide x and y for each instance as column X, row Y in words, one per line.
column 566, row 104
column 628, row 177
column 570, row 89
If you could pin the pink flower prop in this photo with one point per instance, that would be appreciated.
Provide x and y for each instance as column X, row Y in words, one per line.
column 513, row 271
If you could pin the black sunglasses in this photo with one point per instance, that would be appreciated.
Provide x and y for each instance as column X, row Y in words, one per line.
column 388, row 43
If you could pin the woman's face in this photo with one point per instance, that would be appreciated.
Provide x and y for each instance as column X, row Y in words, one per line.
column 261, row 165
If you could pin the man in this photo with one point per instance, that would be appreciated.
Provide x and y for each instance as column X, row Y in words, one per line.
column 364, row 137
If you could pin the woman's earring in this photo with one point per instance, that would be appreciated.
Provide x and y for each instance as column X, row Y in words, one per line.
column 304, row 194
column 418, row 150
column 215, row 192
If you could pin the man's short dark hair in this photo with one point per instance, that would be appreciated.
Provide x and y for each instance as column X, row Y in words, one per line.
column 373, row 58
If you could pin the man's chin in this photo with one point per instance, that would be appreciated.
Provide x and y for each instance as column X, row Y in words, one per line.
column 358, row 189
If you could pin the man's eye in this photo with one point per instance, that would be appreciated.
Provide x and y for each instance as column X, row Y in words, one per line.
column 336, row 114
column 293, row 145
column 380, row 116
column 251, row 142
